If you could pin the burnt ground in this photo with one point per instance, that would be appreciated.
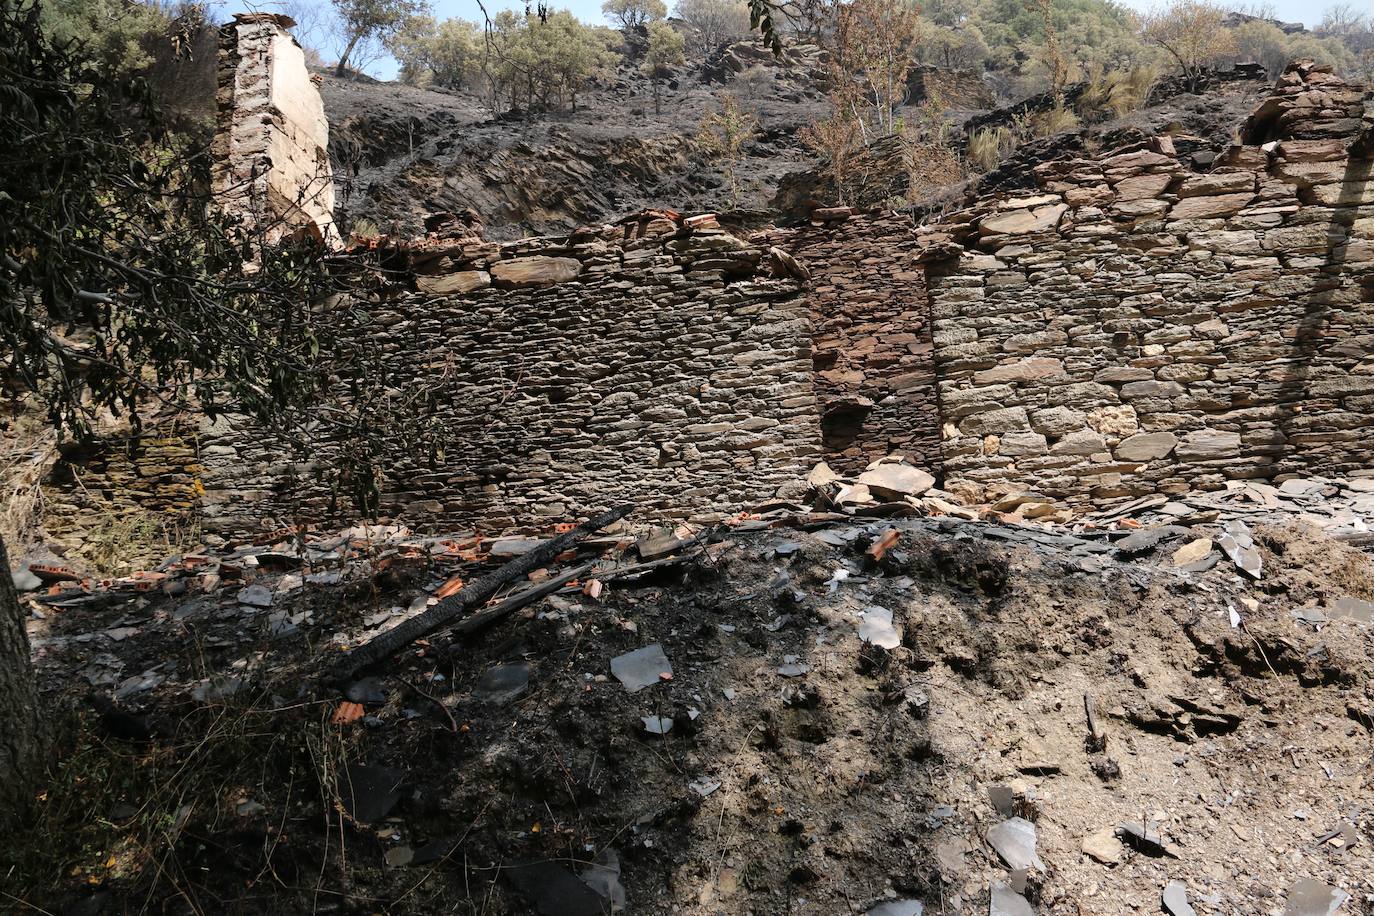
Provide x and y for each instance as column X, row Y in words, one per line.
column 806, row 771
column 401, row 153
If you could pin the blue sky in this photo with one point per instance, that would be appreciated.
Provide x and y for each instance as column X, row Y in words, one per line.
column 1304, row 11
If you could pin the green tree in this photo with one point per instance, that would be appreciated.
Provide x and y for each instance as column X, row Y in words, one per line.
column 632, row 14
column 714, row 22
column 362, row 21
column 957, row 46
column 665, row 52
column 119, row 284
column 871, row 49
column 1193, row 34
column 1354, row 30
column 545, row 62
column 446, row 54
column 1089, row 33
column 117, row 32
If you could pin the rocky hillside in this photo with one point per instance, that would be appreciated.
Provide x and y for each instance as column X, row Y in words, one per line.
column 402, row 152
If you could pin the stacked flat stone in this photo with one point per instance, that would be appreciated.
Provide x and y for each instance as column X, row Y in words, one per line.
column 650, row 362
column 874, row 378
column 1135, row 327
column 149, row 483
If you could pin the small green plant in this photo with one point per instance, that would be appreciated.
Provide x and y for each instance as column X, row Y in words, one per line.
column 1129, row 90
column 121, row 543
column 364, row 230
column 723, row 136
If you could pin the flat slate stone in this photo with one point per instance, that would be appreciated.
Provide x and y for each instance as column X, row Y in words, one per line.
column 1312, row 898
column 454, row 284
column 503, row 683
column 369, row 793
column 535, row 270
column 893, row 481
column 1006, row 902
column 641, row 668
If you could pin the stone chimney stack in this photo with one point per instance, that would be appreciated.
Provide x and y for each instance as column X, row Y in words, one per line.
column 271, row 144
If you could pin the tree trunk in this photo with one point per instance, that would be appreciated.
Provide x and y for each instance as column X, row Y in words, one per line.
column 21, row 739
column 656, row 108
column 341, row 69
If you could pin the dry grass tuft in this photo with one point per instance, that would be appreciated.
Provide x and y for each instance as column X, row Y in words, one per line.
column 989, row 147
column 27, row 452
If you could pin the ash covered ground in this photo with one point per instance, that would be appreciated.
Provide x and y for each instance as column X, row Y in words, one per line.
column 865, row 712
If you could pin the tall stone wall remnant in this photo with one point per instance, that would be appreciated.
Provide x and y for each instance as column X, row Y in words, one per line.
column 271, row 135
column 1135, row 327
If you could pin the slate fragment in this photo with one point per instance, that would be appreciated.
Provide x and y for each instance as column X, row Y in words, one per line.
column 897, row 908
column 369, row 793
column 1175, row 899
column 1006, row 902
column 657, row 725
column 255, row 596
column 399, row 856
column 658, row 545
column 503, row 683
column 1014, row 840
column 1354, row 608
column 895, row 481
column 1143, row 839
column 1003, row 799
column 1194, row 551
column 641, row 668
column 368, row 691
column 555, row 891
column 25, row 580
column 1309, row 897
column 603, row 877
column 1103, row 846
column 876, row 627
column 1140, row 542
column 1238, row 544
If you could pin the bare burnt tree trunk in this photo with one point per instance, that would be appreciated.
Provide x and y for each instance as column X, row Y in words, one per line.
column 21, row 742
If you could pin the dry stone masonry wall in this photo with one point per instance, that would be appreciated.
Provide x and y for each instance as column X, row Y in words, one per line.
column 271, row 138
column 651, row 362
column 1135, row 327
column 1130, row 326
column 874, row 377
column 127, row 493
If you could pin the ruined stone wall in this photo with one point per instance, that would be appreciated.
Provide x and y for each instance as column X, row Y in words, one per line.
column 271, row 164
column 874, row 376
column 1136, row 327
column 651, row 363
column 125, row 496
